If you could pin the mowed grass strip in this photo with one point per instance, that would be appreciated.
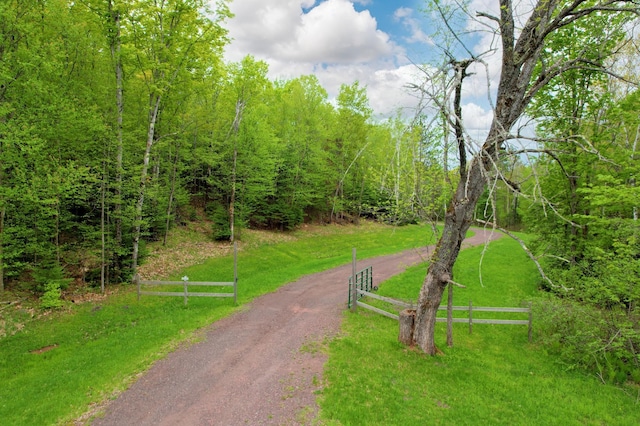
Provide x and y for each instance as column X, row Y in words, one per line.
column 491, row 377
column 56, row 369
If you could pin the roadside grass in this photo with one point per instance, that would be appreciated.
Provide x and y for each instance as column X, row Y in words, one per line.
column 64, row 366
column 493, row 376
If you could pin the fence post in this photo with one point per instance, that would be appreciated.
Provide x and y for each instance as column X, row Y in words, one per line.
column 530, row 323
column 235, row 273
column 354, row 292
column 450, row 316
column 470, row 317
column 136, row 280
column 185, row 279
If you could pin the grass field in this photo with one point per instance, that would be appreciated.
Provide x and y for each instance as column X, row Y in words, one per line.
column 494, row 376
column 58, row 367
column 491, row 377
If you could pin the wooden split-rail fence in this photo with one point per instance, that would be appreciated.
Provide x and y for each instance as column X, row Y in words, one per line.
column 185, row 283
column 364, row 287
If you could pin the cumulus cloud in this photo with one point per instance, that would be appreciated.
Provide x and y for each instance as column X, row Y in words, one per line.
column 334, row 32
column 412, row 25
column 388, row 92
column 477, row 120
column 386, row 87
column 341, row 45
column 330, row 39
column 303, row 31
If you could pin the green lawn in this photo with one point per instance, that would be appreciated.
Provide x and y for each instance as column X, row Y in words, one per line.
column 100, row 347
column 491, row 377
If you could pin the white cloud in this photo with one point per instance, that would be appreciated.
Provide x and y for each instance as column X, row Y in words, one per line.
column 341, row 45
column 334, row 32
column 301, row 31
column 413, row 25
column 388, row 90
column 329, row 39
column 477, row 120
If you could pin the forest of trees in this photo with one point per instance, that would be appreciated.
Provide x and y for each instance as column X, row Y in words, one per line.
column 120, row 119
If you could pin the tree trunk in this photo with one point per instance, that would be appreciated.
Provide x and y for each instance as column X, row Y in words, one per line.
column 406, row 320
column 458, row 219
column 172, row 191
column 103, row 263
column 115, row 44
column 153, row 118
column 235, row 128
column 2, row 213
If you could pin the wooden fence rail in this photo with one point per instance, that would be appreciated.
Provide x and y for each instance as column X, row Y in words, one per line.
column 185, row 283
column 471, row 309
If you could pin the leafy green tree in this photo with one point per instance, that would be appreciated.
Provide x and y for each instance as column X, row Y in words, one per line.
column 169, row 37
column 524, row 44
column 301, row 117
column 50, row 132
column 406, row 171
column 347, row 148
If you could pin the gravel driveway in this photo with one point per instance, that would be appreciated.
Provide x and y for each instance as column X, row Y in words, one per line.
column 260, row 366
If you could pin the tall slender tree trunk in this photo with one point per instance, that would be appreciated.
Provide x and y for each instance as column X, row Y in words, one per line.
column 2, row 215
column 235, row 128
column 103, row 252
column 115, row 44
column 632, row 180
column 174, row 172
column 153, row 118
column 119, row 144
column 117, row 61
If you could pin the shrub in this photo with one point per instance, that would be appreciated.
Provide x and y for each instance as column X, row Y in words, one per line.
column 605, row 342
column 51, row 297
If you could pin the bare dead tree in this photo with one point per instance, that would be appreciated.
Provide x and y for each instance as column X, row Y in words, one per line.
column 523, row 37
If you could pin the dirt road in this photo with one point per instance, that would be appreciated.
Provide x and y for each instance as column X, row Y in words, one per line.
column 259, row 366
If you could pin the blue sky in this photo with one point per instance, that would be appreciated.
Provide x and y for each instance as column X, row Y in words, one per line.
column 374, row 42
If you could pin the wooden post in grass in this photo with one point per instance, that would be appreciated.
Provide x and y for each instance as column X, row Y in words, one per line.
column 136, row 280
column 530, row 323
column 354, row 292
column 450, row 316
column 235, row 273
column 185, row 279
column 406, row 320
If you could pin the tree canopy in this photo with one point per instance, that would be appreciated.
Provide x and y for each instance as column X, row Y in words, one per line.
column 120, row 119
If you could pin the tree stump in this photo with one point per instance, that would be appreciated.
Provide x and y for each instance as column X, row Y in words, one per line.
column 407, row 320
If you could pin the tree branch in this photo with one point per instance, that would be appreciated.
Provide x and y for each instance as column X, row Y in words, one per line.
column 527, row 251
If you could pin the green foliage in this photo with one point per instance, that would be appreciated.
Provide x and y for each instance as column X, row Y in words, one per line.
column 586, row 228
column 80, row 173
column 50, row 299
column 603, row 342
column 48, row 275
column 220, row 226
